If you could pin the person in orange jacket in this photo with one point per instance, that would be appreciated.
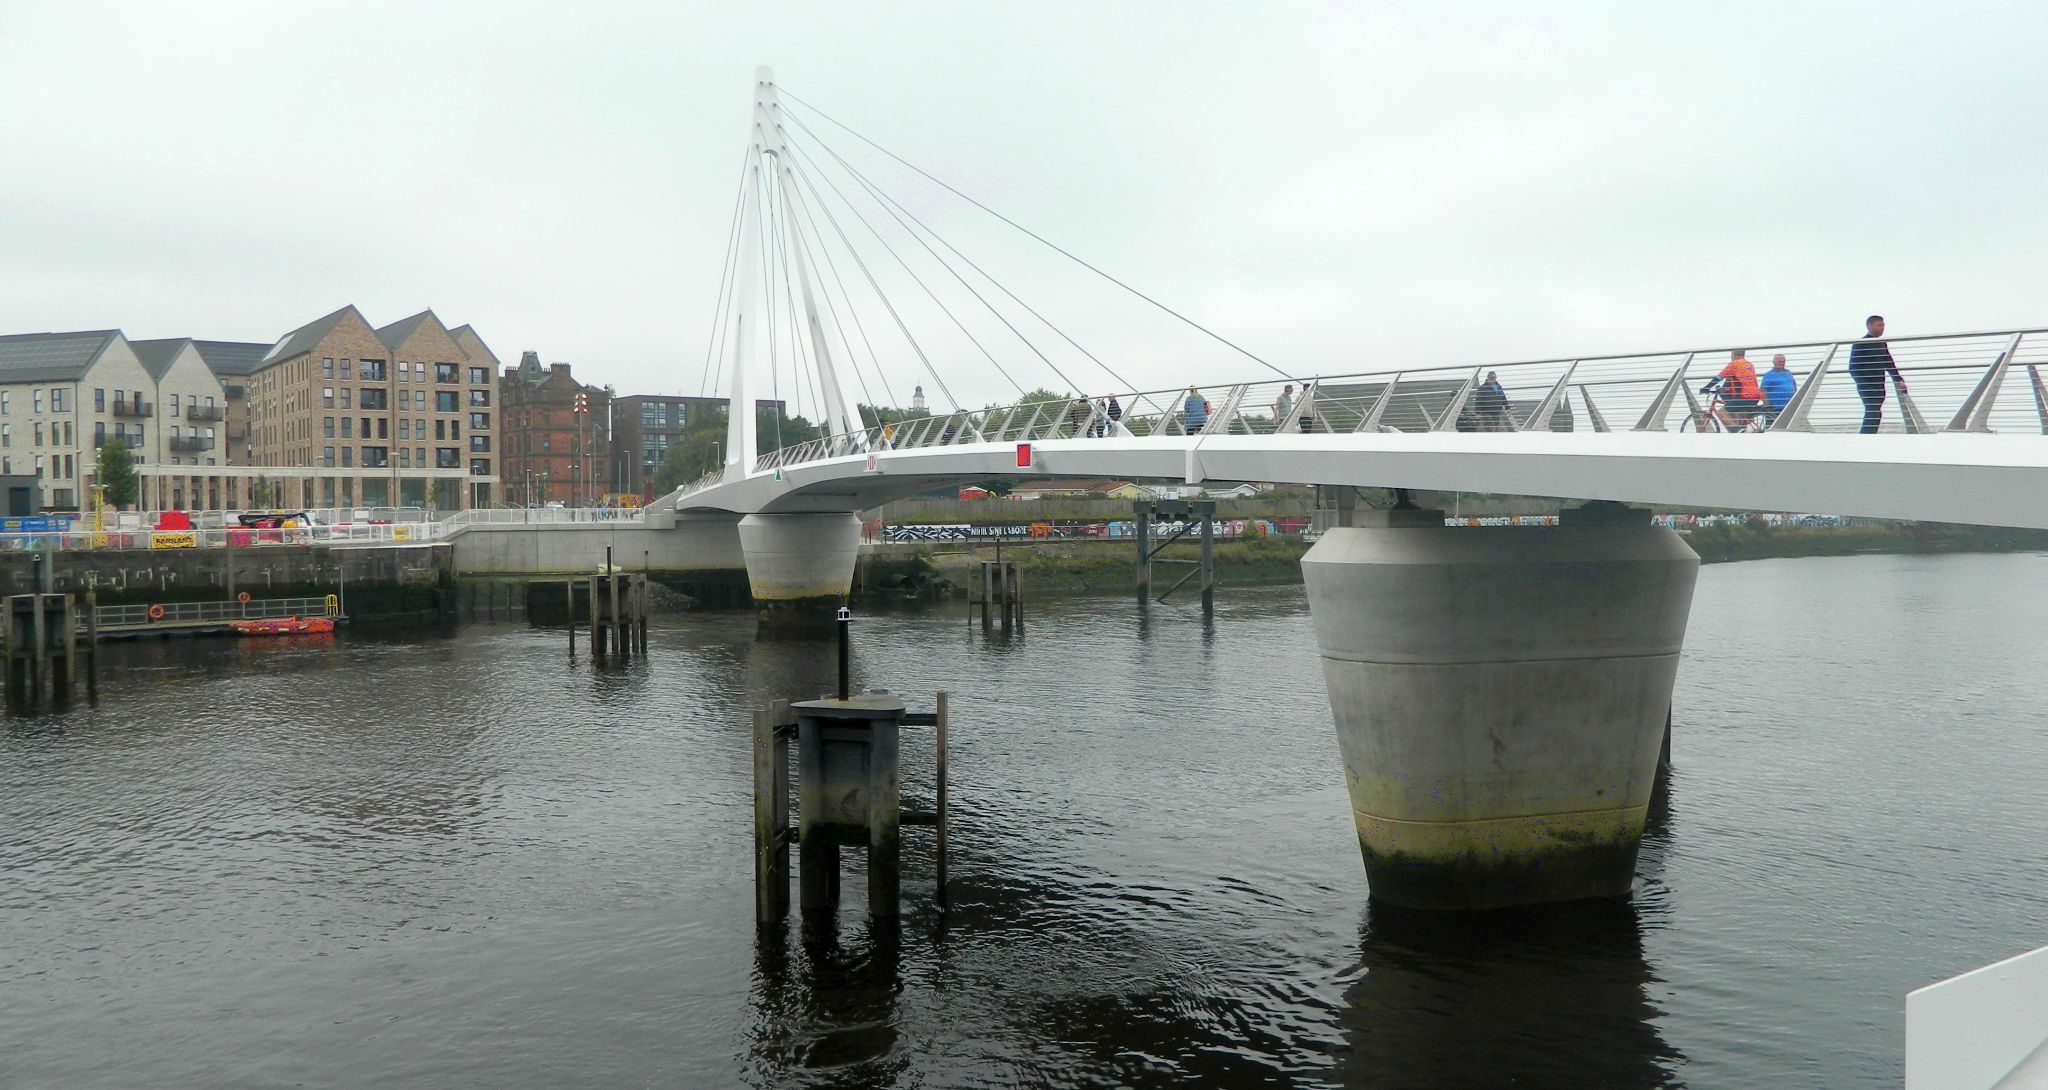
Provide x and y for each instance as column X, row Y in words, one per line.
column 1740, row 393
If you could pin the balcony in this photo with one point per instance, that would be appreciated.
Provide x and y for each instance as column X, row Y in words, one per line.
column 235, row 392
column 191, row 442
column 136, row 408
column 205, row 413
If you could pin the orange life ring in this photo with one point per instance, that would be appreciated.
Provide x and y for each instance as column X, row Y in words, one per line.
column 156, row 613
column 243, row 597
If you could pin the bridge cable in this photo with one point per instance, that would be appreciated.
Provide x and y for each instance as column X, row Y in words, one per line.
column 852, row 360
column 714, row 345
column 861, row 262
column 1240, row 349
column 919, row 281
column 806, row 351
column 985, row 274
column 883, row 200
column 779, row 273
column 851, row 312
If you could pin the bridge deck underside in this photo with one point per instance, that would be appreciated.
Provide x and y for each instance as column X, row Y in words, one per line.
column 1966, row 478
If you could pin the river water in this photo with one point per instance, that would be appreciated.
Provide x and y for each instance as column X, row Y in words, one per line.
column 468, row 861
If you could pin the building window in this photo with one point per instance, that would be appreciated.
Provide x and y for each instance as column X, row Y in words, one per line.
column 99, row 400
column 326, row 397
column 376, row 457
column 6, row 435
column 444, row 372
column 404, row 372
column 373, row 371
column 60, row 400
column 346, row 393
column 480, row 467
column 448, row 457
column 99, row 433
column 327, row 457
column 419, row 401
column 174, row 405
column 479, row 420
column 651, row 416
column 348, row 456
column 6, row 400
column 405, row 457
column 440, row 429
column 405, row 427
column 348, row 427
column 383, row 428
column 39, row 401
column 479, row 376
column 327, row 371
column 327, row 428
column 344, row 369
column 39, row 433
column 445, row 402
column 480, row 398
column 479, row 443
column 375, row 399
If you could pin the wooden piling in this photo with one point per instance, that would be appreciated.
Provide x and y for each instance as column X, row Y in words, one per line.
column 771, row 814
column 611, row 585
column 941, row 776
column 569, row 612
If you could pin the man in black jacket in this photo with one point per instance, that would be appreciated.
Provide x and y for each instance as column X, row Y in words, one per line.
column 1869, row 361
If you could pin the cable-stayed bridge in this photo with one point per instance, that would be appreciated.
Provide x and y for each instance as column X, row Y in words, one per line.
column 1501, row 695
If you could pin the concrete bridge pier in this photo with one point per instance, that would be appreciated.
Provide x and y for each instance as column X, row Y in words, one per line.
column 1500, row 697
column 800, row 566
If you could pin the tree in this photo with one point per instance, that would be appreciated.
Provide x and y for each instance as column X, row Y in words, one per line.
column 260, row 493
column 117, row 473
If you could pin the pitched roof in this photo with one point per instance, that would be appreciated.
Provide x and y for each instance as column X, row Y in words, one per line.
column 396, row 333
column 52, row 357
column 471, row 344
column 301, row 340
column 232, row 357
column 158, row 355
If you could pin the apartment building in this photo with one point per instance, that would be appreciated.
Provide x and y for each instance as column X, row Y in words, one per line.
column 403, row 415
column 553, row 453
column 58, row 392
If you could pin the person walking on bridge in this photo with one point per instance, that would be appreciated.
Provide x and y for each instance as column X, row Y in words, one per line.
column 1283, row 405
column 1490, row 404
column 1196, row 410
column 1870, row 360
column 1778, row 385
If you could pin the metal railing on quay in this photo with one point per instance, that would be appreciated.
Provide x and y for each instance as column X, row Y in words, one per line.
column 1986, row 382
column 81, row 537
column 177, row 613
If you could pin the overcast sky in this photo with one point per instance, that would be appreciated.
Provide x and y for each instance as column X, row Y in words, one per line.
column 1336, row 187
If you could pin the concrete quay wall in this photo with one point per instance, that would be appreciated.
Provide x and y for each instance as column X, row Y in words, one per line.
column 377, row 580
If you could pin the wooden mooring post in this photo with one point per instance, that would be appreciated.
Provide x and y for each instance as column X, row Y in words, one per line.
column 616, row 608
column 44, row 637
column 1001, row 594
column 1197, row 516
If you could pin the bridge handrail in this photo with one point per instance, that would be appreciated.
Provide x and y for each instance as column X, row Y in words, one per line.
column 1953, row 382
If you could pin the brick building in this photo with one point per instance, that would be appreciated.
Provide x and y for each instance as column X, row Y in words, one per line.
column 404, row 415
column 552, row 453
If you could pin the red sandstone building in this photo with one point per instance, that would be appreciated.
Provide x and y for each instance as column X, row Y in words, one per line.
column 552, row 452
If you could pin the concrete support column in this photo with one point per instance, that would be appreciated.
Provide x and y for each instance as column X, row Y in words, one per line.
column 800, row 566
column 1500, row 698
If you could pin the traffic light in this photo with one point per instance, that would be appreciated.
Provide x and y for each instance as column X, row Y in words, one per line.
column 582, row 402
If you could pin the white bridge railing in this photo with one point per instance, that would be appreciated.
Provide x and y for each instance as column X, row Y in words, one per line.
column 1949, row 383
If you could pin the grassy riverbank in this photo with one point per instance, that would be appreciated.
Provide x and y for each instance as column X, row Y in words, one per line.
column 1099, row 568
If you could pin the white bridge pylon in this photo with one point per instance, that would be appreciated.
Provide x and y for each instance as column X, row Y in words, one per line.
column 768, row 175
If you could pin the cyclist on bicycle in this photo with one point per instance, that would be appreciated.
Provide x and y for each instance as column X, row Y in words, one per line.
column 1740, row 392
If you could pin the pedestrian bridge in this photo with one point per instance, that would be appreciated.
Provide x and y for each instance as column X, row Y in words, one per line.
column 1966, row 440
column 1500, row 695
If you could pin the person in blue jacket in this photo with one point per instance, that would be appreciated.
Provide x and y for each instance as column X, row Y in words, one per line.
column 1779, row 385
column 1197, row 410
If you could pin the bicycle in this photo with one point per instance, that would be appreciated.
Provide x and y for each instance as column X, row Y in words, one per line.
column 1708, row 419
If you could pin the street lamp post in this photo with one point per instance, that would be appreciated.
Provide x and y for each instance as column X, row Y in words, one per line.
column 582, row 411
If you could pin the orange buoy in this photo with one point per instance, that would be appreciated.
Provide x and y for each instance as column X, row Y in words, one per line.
column 156, row 613
column 243, row 597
